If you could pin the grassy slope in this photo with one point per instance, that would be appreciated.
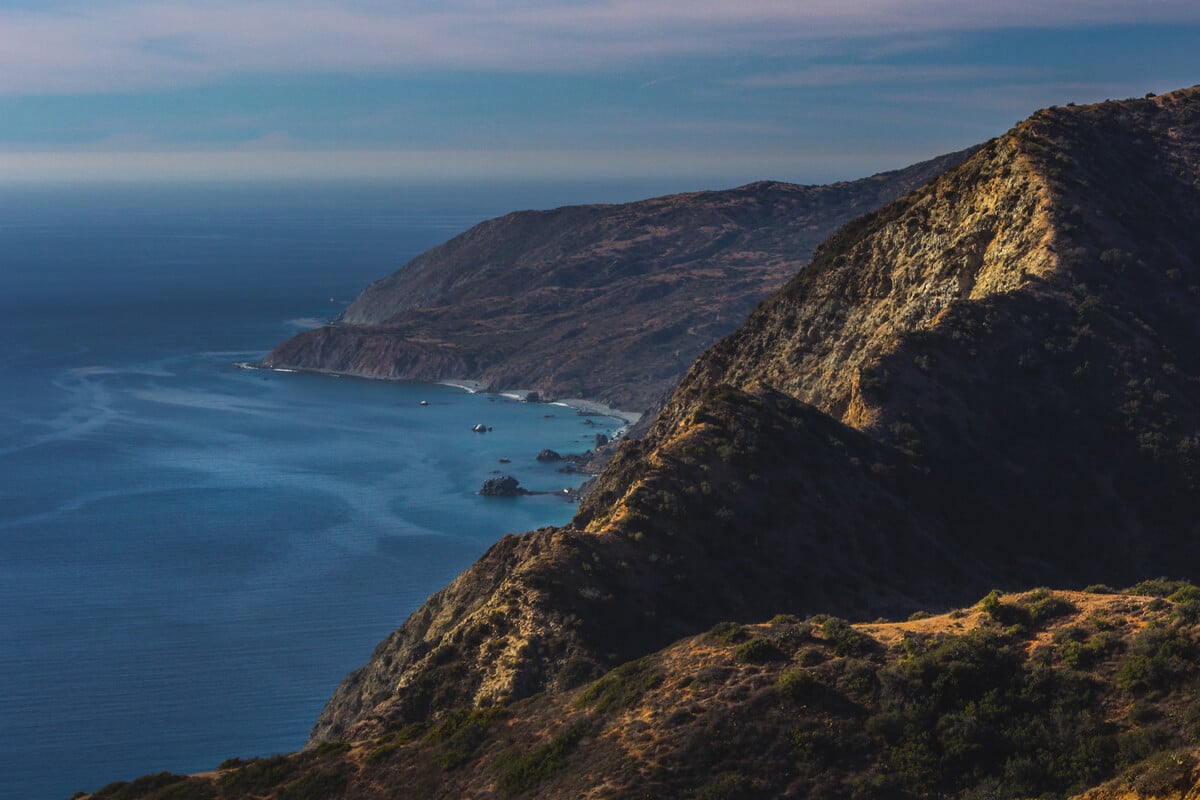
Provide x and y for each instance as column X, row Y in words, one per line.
column 1029, row 695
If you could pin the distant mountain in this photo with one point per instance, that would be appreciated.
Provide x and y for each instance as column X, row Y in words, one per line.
column 993, row 381
column 608, row 303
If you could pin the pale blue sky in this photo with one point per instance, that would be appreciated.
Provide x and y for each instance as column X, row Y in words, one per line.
column 702, row 93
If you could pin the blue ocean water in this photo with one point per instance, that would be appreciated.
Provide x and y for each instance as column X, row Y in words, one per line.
column 193, row 555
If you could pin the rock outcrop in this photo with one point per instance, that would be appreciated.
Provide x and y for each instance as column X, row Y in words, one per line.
column 504, row 486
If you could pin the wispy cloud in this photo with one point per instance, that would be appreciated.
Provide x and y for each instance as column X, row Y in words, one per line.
column 116, row 45
column 817, row 75
column 447, row 166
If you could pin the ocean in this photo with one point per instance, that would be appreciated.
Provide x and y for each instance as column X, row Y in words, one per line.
column 193, row 555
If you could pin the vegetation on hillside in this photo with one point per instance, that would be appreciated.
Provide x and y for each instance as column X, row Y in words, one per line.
column 1039, row 694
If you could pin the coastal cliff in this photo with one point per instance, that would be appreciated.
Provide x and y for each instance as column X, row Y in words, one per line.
column 993, row 381
column 989, row 382
column 609, row 303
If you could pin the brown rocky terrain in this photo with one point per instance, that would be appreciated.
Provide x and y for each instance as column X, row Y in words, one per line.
column 990, row 382
column 1037, row 694
column 993, row 381
column 610, row 303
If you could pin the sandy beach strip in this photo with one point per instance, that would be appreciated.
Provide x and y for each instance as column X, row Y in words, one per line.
column 577, row 403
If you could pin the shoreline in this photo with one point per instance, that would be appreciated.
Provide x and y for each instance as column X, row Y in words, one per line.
column 582, row 405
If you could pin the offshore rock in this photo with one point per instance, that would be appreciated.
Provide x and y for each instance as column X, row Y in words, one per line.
column 506, row 486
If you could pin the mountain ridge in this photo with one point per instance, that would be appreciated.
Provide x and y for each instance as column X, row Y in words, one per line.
column 993, row 381
column 954, row 476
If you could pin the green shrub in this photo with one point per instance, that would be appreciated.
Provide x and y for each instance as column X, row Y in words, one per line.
column 158, row 783
column 1083, row 655
column 1010, row 615
column 1187, row 603
column 757, row 651
column 1156, row 587
column 522, row 773
column 382, row 753
column 797, row 684
column 810, row 656
column 844, row 640
column 1159, row 658
column 857, row 677
column 332, row 748
column 968, row 711
column 622, row 687
column 316, row 785
column 1043, row 605
column 1138, row 744
column 259, row 775
column 461, row 733
column 726, row 633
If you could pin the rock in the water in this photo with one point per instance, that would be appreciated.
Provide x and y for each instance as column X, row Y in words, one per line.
column 481, row 428
column 506, row 486
column 548, row 456
column 601, row 440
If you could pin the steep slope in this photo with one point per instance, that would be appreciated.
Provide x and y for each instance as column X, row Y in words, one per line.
column 1042, row 694
column 610, row 303
column 991, row 381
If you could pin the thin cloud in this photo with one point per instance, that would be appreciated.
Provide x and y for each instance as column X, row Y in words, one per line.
column 823, row 75
column 725, row 168
column 122, row 45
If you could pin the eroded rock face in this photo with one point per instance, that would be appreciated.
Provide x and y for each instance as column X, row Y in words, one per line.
column 615, row 301
column 988, row 382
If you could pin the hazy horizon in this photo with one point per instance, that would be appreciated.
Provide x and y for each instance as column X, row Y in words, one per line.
column 707, row 95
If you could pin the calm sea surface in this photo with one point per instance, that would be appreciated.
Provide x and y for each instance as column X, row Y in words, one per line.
column 193, row 555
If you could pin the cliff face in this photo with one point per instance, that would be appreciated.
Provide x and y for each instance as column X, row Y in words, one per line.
column 991, row 381
column 610, row 303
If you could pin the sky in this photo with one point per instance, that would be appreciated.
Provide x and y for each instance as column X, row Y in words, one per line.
column 700, row 93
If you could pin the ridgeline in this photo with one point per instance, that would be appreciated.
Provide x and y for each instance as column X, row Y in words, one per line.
column 992, row 381
column 610, row 303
